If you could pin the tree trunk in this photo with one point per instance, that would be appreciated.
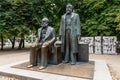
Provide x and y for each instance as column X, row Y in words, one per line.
column 2, row 42
column 13, row 42
column 21, row 44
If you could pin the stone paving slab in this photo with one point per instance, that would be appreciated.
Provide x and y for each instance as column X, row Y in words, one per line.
column 101, row 72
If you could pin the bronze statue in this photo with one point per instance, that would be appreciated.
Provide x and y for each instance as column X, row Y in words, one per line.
column 44, row 42
column 69, row 34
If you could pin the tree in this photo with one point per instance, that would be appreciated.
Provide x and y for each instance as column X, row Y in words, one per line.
column 4, row 16
column 21, row 22
column 117, row 21
column 19, row 17
column 97, row 17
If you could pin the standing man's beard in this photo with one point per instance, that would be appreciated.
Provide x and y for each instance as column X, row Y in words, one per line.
column 69, row 11
column 44, row 25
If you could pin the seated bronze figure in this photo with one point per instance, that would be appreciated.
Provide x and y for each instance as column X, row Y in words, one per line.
column 44, row 42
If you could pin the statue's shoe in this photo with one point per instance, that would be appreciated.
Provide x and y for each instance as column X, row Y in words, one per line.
column 29, row 66
column 65, row 62
column 42, row 67
column 72, row 63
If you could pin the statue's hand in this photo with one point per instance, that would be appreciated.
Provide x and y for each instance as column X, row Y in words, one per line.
column 59, row 38
column 79, row 38
column 45, row 44
column 34, row 44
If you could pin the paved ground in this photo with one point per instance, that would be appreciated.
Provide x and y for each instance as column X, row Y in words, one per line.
column 7, row 57
column 113, row 62
column 12, row 56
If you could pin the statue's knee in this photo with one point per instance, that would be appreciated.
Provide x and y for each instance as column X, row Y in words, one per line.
column 43, row 47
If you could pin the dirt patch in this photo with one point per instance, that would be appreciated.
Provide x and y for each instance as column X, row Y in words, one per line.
column 113, row 74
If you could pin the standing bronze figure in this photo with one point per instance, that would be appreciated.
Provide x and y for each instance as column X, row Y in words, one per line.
column 39, row 50
column 69, row 34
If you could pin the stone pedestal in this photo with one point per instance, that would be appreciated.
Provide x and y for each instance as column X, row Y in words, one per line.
column 58, row 55
column 83, row 55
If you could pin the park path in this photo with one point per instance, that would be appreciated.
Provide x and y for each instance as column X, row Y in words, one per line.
column 113, row 62
column 12, row 56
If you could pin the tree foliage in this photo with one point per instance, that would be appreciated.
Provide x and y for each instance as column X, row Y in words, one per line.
column 98, row 17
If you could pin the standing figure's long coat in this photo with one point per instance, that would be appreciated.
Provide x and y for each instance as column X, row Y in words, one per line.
column 75, row 31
